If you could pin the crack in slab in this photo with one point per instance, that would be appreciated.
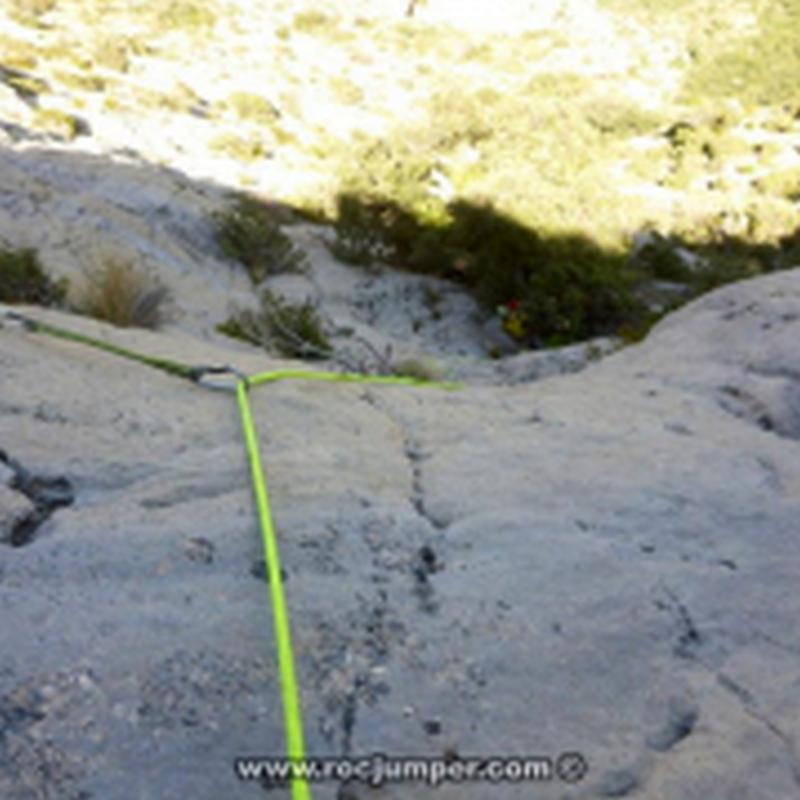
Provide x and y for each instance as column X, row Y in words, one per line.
column 749, row 706
column 415, row 455
column 47, row 493
column 689, row 641
column 689, row 638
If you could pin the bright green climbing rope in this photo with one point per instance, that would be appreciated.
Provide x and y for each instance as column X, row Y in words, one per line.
column 292, row 715
column 290, row 696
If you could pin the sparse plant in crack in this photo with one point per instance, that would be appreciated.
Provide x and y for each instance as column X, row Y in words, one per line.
column 27, row 12
column 24, row 280
column 293, row 330
column 423, row 369
column 249, row 233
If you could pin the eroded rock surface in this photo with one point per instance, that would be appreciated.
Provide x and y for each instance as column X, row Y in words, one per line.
column 603, row 562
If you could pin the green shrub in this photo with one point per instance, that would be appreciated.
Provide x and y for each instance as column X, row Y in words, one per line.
column 293, row 330
column 124, row 295
column 28, row 87
column 252, row 107
column 659, row 259
column 567, row 287
column 346, row 91
column 312, row 21
column 360, row 234
column 249, row 233
column 421, row 369
column 242, row 148
column 23, row 280
column 113, row 53
column 59, row 123
column 18, row 54
column 186, row 15
column 782, row 183
column 621, row 119
column 28, row 12
column 77, row 80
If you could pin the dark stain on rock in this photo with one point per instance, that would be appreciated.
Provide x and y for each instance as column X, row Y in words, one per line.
column 682, row 715
column 258, row 569
column 619, row 783
column 433, row 727
column 689, row 637
column 425, row 564
column 349, row 721
column 199, row 549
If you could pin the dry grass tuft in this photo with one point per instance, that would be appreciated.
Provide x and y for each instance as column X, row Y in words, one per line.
column 124, row 294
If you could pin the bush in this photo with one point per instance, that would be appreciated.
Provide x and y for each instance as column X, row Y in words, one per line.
column 312, row 21
column 660, row 259
column 241, row 148
column 27, row 87
column 59, row 123
column 360, row 233
column 112, row 54
column 22, row 280
column 293, row 330
column 125, row 295
column 29, row 11
column 17, row 54
column 80, row 81
column 566, row 287
column 249, row 233
column 420, row 369
column 186, row 15
column 252, row 107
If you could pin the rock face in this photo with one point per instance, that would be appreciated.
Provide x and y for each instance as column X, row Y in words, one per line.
column 15, row 508
column 589, row 554
column 603, row 563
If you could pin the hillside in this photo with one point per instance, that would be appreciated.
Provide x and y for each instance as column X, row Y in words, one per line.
column 585, row 211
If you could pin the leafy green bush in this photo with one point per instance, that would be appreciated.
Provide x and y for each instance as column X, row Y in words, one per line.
column 33, row 6
column 242, row 148
column 346, row 91
column 23, row 280
column 782, row 183
column 293, row 330
column 312, row 21
column 80, row 81
column 249, row 233
column 28, row 12
column 360, row 232
column 113, row 53
column 659, row 259
column 420, row 368
column 567, row 287
column 59, row 123
column 17, row 54
column 252, row 107
column 28, row 87
column 124, row 295
column 186, row 15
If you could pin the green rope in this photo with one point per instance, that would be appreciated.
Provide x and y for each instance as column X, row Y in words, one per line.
column 347, row 377
column 293, row 720
column 172, row 367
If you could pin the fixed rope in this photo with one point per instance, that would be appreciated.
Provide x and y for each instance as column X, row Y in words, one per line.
column 290, row 695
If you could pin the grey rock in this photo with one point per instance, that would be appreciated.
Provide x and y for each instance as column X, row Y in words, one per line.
column 15, row 508
column 601, row 561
